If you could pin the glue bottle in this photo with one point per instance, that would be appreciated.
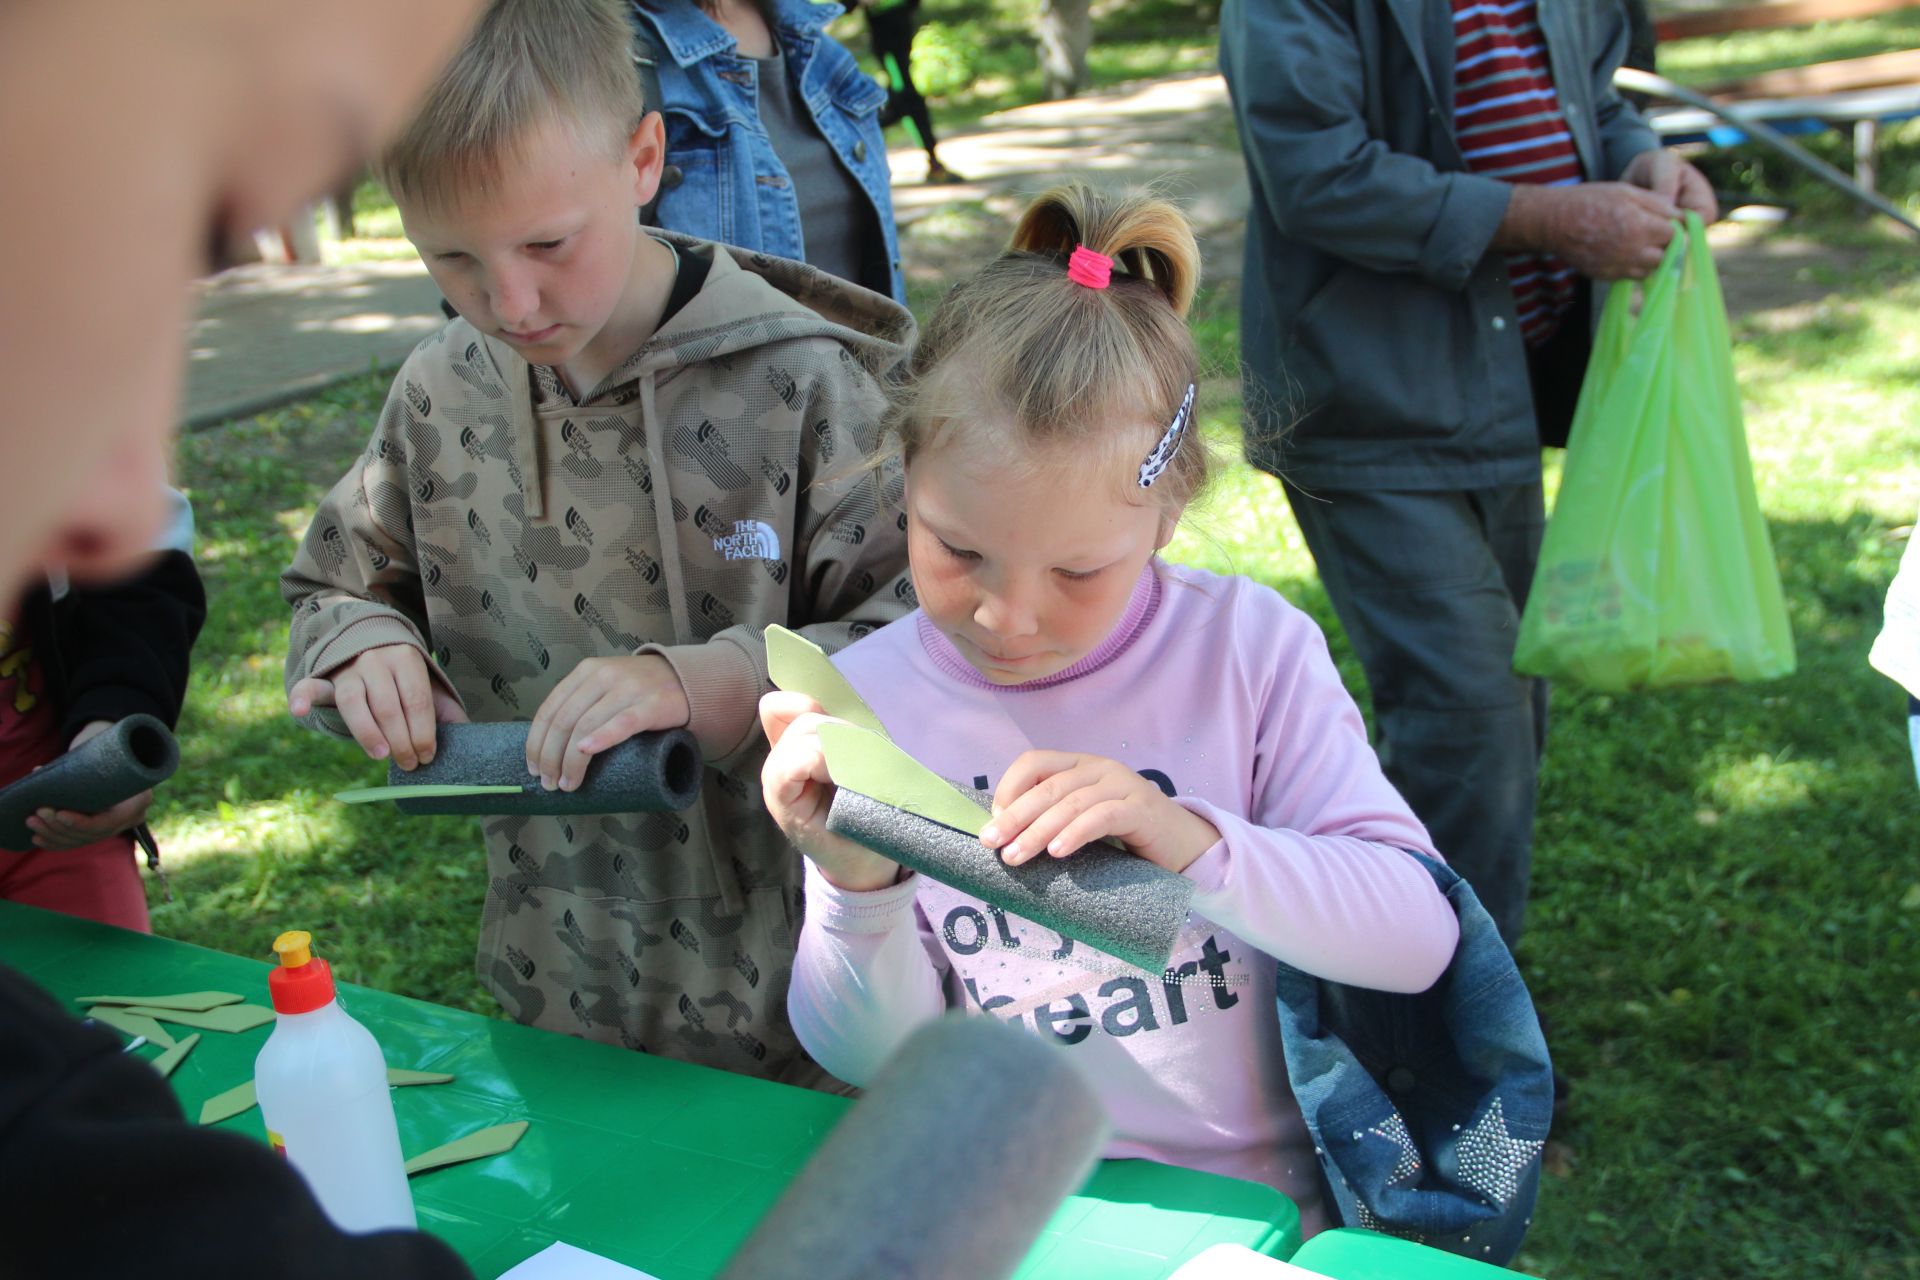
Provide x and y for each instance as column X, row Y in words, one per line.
column 322, row 1086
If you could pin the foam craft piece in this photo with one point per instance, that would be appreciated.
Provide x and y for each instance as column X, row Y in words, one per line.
column 1102, row 896
column 495, row 1140
column 798, row 665
column 186, row 1001
column 136, row 754
column 871, row 1205
column 649, row 772
column 127, row 1022
column 232, row 1018
column 167, row 1061
column 241, row 1099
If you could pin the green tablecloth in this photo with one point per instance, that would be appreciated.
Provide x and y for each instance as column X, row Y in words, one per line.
column 1365, row 1255
column 655, row 1163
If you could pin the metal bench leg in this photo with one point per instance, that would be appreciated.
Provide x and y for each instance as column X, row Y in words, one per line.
column 1865, row 134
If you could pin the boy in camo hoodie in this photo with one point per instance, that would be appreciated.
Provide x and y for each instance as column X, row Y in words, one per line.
column 585, row 498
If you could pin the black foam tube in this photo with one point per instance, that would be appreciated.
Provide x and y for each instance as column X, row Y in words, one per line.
column 647, row 772
column 1102, row 896
column 137, row 753
column 950, row 1166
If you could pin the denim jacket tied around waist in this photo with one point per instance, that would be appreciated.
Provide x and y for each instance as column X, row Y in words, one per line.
column 731, row 187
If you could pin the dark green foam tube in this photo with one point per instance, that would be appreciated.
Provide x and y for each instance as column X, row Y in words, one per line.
column 136, row 754
column 649, row 772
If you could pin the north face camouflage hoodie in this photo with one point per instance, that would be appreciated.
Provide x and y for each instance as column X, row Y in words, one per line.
column 716, row 482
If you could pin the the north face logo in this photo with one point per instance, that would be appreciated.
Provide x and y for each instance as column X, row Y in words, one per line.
column 377, row 558
column 691, row 1014
column 640, row 474
column 417, row 397
column 684, row 936
column 385, row 450
column 504, row 691
column 713, row 611
column 470, row 441
column 750, row 1045
column 627, row 967
column 776, row 476
column 479, row 526
column 777, row 570
column 522, row 859
column 433, row 575
column 527, row 566
column 522, row 962
column 585, row 608
column 423, row 488
column 748, row 969
column 711, row 523
column 750, row 540
column 853, row 533
column 336, row 545
column 903, row 590
column 577, row 525
column 643, row 564
column 784, row 387
column 579, row 1008
column 539, row 651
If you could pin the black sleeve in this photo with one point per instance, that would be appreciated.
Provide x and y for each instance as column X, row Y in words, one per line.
column 101, row 1176
column 124, row 649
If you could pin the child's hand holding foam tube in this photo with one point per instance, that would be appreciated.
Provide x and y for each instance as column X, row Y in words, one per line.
column 601, row 703
column 388, row 700
column 1062, row 801
column 798, row 790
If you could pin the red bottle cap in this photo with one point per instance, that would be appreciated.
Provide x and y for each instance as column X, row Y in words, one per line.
column 303, row 982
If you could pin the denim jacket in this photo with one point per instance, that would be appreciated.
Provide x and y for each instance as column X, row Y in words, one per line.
column 730, row 186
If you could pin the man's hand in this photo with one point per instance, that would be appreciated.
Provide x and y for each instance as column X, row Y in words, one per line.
column 388, row 700
column 798, row 791
column 1061, row 801
column 1604, row 230
column 65, row 829
column 602, row 702
column 1664, row 173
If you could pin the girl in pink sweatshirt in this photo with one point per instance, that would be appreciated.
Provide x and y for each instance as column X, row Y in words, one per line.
column 1048, row 437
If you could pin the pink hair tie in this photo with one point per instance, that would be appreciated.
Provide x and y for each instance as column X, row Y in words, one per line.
column 1089, row 268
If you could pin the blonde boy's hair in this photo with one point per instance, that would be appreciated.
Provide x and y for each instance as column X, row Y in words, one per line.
column 1021, row 349
column 528, row 62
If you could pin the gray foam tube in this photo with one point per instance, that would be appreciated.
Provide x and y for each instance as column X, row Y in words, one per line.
column 648, row 772
column 950, row 1166
column 1102, row 896
column 137, row 753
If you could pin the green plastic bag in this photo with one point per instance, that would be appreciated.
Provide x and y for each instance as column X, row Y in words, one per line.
column 1656, row 569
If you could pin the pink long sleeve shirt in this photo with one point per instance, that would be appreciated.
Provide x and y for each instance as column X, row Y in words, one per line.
column 1223, row 694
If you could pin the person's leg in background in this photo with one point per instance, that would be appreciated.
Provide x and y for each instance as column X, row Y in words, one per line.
column 892, row 28
column 99, row 881
column 1429, row 587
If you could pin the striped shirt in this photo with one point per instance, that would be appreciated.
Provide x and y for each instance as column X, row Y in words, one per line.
column 1507, row 118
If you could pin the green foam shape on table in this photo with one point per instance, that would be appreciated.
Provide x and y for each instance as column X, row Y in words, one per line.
column 240, row 1098
column 876, row 768
column 425, row 791
column 186, row 1001
column 232, row 1018
column 491, row 1141
column 224, row 1106
column 132, row 1022
column 798, row 665
column 399, row 1077
column 167, row 1061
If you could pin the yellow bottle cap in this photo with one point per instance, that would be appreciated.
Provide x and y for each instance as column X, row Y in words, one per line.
column 294, row 947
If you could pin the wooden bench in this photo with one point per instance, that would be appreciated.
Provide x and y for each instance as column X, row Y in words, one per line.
column 1860, row 93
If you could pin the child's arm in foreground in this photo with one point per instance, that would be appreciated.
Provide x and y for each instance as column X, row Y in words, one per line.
column 357, row 661
column 865, row 974
column 1317, row 876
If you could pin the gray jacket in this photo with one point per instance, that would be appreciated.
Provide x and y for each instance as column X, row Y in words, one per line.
column 1378, row 331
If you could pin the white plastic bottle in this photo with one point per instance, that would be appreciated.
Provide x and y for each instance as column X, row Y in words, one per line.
column 322, row 1086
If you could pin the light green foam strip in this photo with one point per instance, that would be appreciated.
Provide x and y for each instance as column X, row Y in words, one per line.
column 232, row 1018
column 876, row 768
column 167, row 1061
column 240, row 1098
column 132, row 1022
column 798, row 665
column 491, row 1141
column 400, row 1076
column 188, row 1001
column 365, row 795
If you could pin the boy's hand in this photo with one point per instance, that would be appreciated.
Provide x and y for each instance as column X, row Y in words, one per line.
column 1061, row 801
column 798, row 791
column 66, row 829
column 602, row 702
column 388, row 700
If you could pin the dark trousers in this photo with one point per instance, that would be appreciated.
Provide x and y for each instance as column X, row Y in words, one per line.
column 1429, row 587
column 892, row 31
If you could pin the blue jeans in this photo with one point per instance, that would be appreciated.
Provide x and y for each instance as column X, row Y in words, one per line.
column 1429, row 586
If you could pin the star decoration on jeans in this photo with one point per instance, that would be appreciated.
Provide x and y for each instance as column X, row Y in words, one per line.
column 1491, row 1159
column 1394, row 1130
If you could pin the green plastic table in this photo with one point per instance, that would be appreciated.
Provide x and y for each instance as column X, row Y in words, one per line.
column 1349, row 1254
column 655, row 1163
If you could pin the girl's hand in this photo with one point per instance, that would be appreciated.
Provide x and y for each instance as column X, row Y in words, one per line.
column 1062, row 801
column 68, row 829
column 798, row 790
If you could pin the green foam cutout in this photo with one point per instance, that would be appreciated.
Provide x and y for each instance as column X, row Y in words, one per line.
column 400, row 1076
column 225, row 1106
column 167, row 1061
column 491, row 1141
column 426, row 791
column 132, row 1022
column 186, row 1001
column 240, row 1098
column 232, row 1018
column 798, row 665
column 876, row 768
